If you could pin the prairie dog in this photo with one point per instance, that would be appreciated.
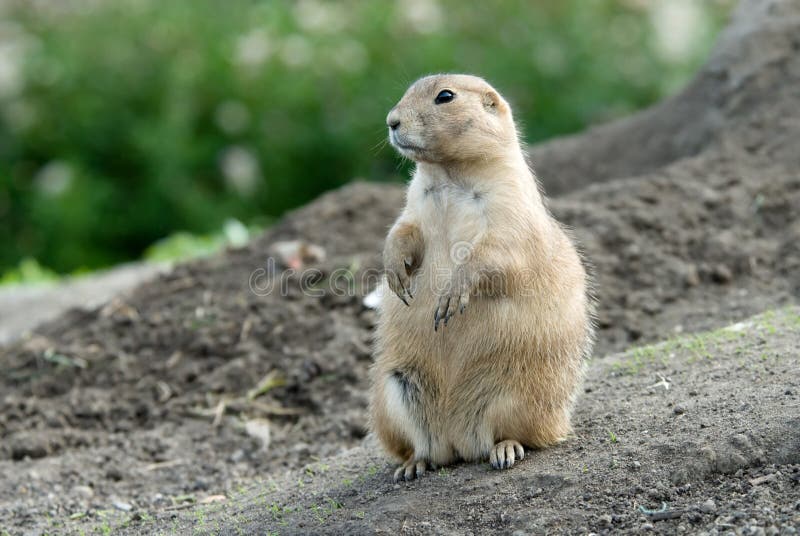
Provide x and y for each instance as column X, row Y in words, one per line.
column 481, row 343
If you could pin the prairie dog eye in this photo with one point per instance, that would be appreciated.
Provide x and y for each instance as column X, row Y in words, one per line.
column 444, row 96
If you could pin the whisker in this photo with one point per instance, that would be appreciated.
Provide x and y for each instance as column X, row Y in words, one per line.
column 379, row 146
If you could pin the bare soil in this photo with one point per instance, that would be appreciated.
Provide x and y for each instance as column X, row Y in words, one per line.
column 125, row 415
column 699, row 434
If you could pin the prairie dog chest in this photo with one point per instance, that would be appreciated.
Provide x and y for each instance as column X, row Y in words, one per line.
column 449, row 213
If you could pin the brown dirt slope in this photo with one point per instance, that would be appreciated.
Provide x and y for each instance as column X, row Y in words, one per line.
column 142, row 403
column 703, row 429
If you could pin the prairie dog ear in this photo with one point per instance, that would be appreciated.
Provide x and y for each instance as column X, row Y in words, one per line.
column 493, row 102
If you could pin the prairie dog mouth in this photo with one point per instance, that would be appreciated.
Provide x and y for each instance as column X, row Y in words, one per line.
column 402, row 144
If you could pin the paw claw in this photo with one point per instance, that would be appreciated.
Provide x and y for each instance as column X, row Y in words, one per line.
column 410, row 470
column 441, row 312
column 505, row 453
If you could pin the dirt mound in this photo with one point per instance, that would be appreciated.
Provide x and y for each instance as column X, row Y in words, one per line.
column 745, row 96
column 169, row 391
column 699, row 433
column 150, row 395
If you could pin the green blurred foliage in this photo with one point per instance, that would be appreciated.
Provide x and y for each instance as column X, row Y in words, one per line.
column 27, row 271
column 124, row 121
column 182, row 245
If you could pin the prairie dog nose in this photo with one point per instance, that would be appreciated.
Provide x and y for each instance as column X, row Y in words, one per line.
column 393, row 119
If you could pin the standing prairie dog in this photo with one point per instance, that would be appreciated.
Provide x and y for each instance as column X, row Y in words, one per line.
column 480, row 350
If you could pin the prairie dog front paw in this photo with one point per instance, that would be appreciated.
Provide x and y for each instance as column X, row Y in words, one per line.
column 453, row 298
column 402, row 255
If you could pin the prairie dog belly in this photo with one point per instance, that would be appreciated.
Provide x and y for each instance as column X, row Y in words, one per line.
column 453, row 220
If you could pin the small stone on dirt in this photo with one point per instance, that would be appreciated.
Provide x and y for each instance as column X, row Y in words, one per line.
column 708, row 507
column 85, row 492
column 763, row 479
column 119, row 505
column 114, row 474
column 297, row 253
column 213, row 499
column 692, row 277
column 721, row 274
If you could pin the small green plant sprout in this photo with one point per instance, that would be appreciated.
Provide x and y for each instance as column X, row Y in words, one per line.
column 190, row 498
column 318, row 513
column 200, row 515
column 51, row 356
column 278, row 512
column 612, row 437
column 271, row 380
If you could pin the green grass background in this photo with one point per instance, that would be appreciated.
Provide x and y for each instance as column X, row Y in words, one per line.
column 123, row 122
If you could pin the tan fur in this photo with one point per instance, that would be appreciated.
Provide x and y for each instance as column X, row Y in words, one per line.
column 476, row 247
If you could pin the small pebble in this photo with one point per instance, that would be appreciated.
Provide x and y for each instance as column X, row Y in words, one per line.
column 679, row 410
column 692, row 276
column 646, row 526
column 605, row 519
column 114, row 474
column 260, row 429
column 125, row 507
column 708, row 507
column 721, row 274
column 83, row 491
column 213, row 499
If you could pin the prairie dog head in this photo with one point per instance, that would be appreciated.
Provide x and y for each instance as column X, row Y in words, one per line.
column 448, row 118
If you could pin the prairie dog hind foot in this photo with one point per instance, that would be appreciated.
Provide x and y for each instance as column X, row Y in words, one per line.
column 505, row 453
column 411, row 469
